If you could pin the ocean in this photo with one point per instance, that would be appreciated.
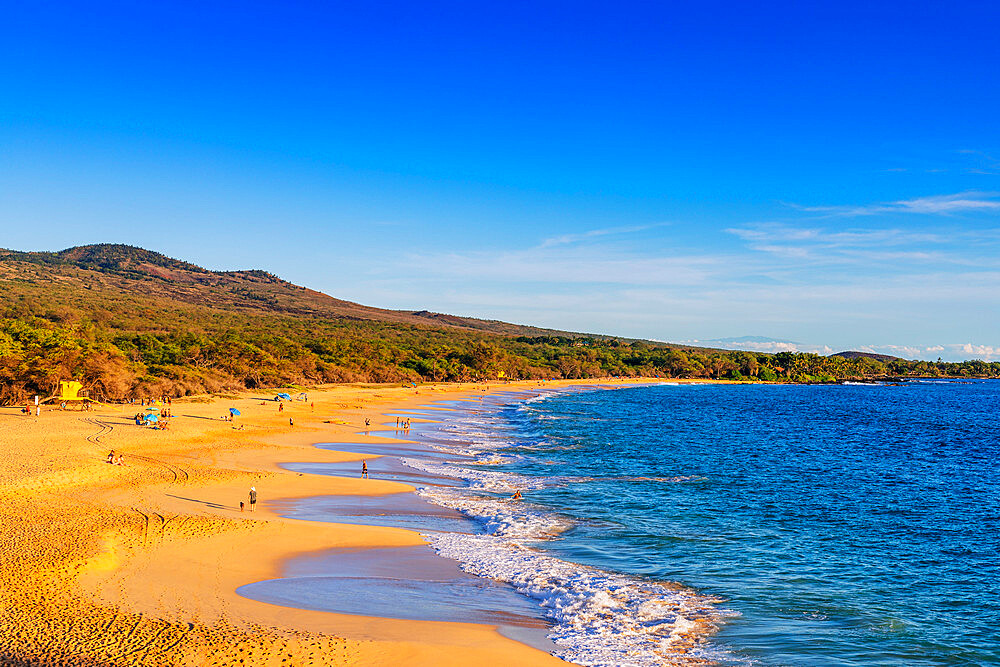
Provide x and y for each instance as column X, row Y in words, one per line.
column 737, row 524
column 689, row 524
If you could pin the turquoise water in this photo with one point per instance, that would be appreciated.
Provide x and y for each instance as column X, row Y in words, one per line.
column 805, row 525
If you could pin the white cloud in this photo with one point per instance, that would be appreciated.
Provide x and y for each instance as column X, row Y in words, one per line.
column 575, row 265
column 770, row 346
column 987, row 352
column 781, row 233
column 566, row 239
column 933, row 205
column 948, row 352
column 892, row 246
column 842, row 287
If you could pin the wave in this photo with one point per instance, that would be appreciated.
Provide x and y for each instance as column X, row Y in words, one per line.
column 484, row 480
column 599, row 617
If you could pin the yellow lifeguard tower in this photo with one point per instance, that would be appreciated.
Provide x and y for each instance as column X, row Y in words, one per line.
column 71, row 391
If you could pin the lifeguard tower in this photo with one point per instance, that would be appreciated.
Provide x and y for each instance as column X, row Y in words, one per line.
column 71, row 392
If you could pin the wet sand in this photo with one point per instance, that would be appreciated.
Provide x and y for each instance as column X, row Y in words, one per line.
column 139, row 564
column 401, row 582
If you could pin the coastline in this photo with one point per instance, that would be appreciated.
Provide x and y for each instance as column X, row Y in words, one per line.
column 126, row 564
column 594, row 615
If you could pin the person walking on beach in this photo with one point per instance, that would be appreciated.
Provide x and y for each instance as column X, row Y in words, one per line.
column 253, row 498
column 364, row 469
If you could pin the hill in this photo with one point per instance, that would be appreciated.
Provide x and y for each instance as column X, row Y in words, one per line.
column 129, row 322
column 114, row 268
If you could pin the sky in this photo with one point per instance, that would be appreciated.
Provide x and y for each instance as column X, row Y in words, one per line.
column 818, row 178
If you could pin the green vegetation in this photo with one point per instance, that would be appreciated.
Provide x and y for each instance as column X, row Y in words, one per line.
column 109, row 322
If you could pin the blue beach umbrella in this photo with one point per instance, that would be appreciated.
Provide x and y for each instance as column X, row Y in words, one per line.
column 234, row 411
column 287, row 397
column 152, row 418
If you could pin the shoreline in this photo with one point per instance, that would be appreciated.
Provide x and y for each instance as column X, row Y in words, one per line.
column 150, row 554
column 508, row 541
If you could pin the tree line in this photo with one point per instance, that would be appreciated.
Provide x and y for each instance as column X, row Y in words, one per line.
column 185, row 351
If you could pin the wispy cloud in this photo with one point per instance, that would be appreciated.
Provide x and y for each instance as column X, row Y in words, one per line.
column 933, row 205
column 568, row 239
column 986, row 164
column 576, row 265
column 948, row 352
column 964, row 247
column 771, row 232
column 806, row 280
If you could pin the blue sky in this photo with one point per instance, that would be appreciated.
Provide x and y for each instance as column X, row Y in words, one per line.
column 681, row 172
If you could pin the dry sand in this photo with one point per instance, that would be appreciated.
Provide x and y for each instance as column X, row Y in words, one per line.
column 138, row 564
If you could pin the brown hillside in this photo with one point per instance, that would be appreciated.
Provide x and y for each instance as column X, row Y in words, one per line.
column 113, row 268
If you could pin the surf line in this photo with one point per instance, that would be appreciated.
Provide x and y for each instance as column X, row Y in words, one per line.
column 363, row 570
column 599, row 617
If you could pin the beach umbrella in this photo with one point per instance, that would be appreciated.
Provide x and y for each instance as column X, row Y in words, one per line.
column 152, row 418
column 152, row 409
column 234, row 412
column 287, row 397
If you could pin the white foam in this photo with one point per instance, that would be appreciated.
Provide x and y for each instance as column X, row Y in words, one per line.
column 599, row 617
column 500, row 517
column 483, row 480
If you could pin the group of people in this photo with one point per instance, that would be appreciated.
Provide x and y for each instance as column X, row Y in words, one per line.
column 64, row 405
column 401, row 423
column 161, row 423
column 143, row 402
column 113, row 459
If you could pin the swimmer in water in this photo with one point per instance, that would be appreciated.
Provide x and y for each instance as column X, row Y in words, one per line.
column 517, row 494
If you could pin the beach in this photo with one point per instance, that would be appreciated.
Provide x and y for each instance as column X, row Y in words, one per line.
column 139, row 563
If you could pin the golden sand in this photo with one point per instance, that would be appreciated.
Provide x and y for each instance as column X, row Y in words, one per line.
column 138, row 564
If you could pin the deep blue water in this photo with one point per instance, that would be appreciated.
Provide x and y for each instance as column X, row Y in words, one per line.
column 847, row 525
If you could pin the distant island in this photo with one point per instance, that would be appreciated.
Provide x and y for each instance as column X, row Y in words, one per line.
column 128, row 322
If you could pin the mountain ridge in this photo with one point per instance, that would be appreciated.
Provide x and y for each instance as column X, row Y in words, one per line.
column 122, row 266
